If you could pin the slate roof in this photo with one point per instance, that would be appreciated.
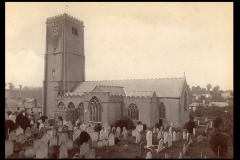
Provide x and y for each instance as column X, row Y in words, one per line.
column 142, row 93
column 114, row 90
column 165, row 87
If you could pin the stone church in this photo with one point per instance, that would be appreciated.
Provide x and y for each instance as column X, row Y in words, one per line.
column 66, row 93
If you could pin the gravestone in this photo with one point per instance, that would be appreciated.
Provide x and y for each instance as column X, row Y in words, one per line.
column 90, row 130
column 161, row 128
column 118, row 131
column 105, row 133
column 21, row 154
column 165, row 137
column 108, row 128
column 199, row 139
column 28, row 132
column 100, row 144
column 165, row 127
column 206, row 129
column 159, row 136
column 184, row 149
column 169, row 141
column 180, row 156
column 174, row 136
column 19, row 130
column 101, row 135
column 133, row 133
column 53, row 141
column 111, row 139
column 62, row 139
column 166, row 156
column 138, row 138
column 84, row 148
column 92, row 153
column 170, row 129
column 42, row 151
column 141, row 149
column 9, row 147
column 149, row 155
column 105, row 142
column 37, row 143
column 160, row 146
column 113, row 129
column 157, row 130
column 34, row 130
column 94, row 144
column 45, row 140
column 187, row 148
column 69, row 144
column 154, row 130
column 194, row 131
column 187, row 136
column 13, row 136
column 171, row 124
column 60, row 129
column 198, row 122
column 124, row 129
column 21, row 138
column 184, row 135
column 125, row 135
column 69, row 125
column 63, row 151
column 30, row 153
column 149, row 138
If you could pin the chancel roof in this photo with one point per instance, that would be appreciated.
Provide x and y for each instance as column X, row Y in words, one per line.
column 164, row 87
column 142, row 93
column 114, row 90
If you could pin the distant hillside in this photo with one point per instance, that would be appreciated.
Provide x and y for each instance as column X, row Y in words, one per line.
column 24, row 94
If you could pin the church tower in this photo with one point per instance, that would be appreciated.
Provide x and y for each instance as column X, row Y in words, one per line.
column 64, row 58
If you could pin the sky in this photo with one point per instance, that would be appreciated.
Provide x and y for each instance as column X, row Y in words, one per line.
column 131, row 40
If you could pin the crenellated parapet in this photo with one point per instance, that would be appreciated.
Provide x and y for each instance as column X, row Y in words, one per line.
column 74, row 95
column 64, row 17
column 116, row 98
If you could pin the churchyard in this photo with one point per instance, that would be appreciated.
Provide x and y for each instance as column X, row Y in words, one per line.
column 61, row 142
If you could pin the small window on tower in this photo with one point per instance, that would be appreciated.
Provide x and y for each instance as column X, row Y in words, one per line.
column 53, row 73
column 75, row 31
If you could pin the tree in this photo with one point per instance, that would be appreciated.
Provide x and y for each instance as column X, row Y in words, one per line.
column 11, row 86
column 198, row 90
column 209, row 86
column 203, row 91
column 193, row 90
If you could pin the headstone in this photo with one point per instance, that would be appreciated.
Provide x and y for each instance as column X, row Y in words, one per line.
column 108, row 128
column 138, row 138
column 111, row 139
column 28, row 132
column 62, row 139
column 125, row 134
column 69, row 125
column 180, row 156
column 174, row 136
column 187, row 136
column 90, row 130
column 8, row 147
column 21, row 155
column 42, row 151
column 13, row 136
column 154, row 130
column 113, row 129
column 37, row 143
column 105, row 142
column 30, row 153
column 184, row 135
column 19, row 130
column 141, row 149
column 165, row 137
column 34, row 130
column 166, row 156
column 170, row 129
column 21, row 138
column 118, row 131
column 63, row 151
column 159, row 136
column 92, row 153
column 41, row 125
column 149, row 138
column 133, row 133
column 157, row 130
column 211, row 124
column 53, row 141
column 124, row 129
column 172, row 124
column 160, row 146
column 180, row 136
column 94, row 144
column 100, row 144
column 161, row 128
column 69, row 144
column 60, row 129
column 194, row 131
column 101, row 135
column 198, row 122
column 165, row 127
column 84, row 148
column 169, row 141
column 206, row 119
column 149, row 155
column 206, row 129
column 184, row 149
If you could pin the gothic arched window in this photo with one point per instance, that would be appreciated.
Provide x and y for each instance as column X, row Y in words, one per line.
column 133, row 112
column 162, row 110
column 71, row 106
column 185, row 101
column 53, row 73
column 61, row 106
column 95, row 110
column 81, row 109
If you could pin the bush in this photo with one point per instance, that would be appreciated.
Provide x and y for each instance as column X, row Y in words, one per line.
column 200, row 111
column 83, row 137
column 97, row 128
column 217, row 122
column 219, row 139
column 124, row 122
